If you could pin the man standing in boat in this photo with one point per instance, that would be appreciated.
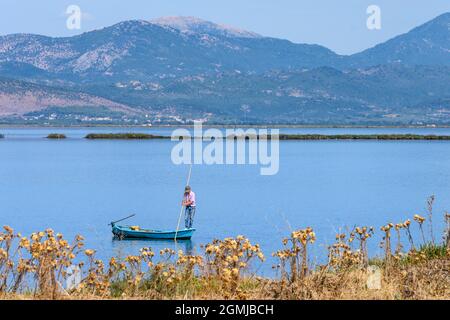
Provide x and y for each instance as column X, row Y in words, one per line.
column 189, row 203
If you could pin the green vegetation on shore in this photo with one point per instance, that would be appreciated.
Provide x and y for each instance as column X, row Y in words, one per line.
column 124, row 136
column 131, row 136
column 283, row 136
column 361, row 137
column 56, row 136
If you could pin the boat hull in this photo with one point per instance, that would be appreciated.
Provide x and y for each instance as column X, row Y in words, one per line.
column 125, row 232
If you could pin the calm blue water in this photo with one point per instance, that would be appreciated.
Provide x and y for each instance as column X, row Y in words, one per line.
column 79, row 186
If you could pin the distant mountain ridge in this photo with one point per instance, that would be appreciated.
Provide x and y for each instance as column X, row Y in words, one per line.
column 428, row 44
column 184, row 68
column 142, row 50
column 196, row 25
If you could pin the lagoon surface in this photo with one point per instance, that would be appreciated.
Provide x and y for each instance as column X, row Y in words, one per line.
column 76, row 186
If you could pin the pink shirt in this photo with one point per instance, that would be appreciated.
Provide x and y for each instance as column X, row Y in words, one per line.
column 190, row 197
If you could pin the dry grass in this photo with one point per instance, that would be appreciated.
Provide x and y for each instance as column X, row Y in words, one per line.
column 35, row 267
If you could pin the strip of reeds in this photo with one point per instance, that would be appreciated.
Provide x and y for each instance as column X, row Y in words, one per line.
column 281, row 136
column 364, row 137
column 56, row 136
column 352, row 137
column 124, row 136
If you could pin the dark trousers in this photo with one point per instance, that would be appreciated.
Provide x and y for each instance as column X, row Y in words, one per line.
column 189, row 214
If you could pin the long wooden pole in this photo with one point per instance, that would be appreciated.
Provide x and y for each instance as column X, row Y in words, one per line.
column 181, row 211
column 114, row 222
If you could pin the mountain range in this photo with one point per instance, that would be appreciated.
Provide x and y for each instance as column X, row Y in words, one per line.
column 178, row 69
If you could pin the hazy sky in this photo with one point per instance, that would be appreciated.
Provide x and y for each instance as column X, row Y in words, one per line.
column 337, row 24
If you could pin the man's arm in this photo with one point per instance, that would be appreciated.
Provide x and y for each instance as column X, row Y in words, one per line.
column 186, row 201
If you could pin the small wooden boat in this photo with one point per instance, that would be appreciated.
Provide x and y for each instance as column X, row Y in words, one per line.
column 123, row 232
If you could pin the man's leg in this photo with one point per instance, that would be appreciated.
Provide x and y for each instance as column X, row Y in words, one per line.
column 192, row 216
column 186, row 217
column 189, row 216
